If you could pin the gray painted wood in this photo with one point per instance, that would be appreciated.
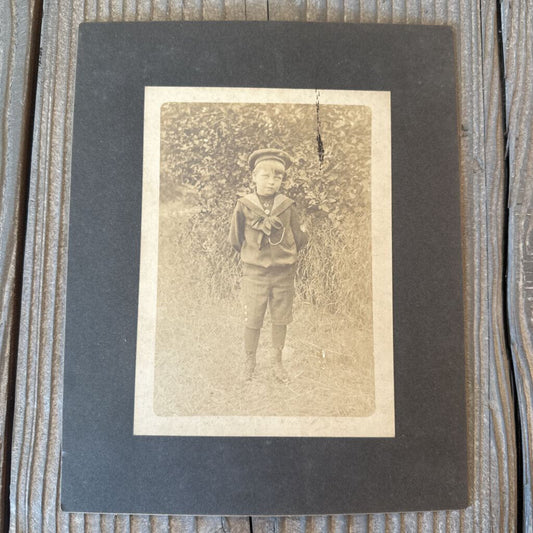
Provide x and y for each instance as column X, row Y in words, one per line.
column 35, row 461
column 517, row 32
column 15, row 110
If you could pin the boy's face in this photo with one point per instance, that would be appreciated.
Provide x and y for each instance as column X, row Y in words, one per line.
column 267, row 176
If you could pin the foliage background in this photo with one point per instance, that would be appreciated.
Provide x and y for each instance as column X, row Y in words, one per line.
column 204, row 169
column 204, row 150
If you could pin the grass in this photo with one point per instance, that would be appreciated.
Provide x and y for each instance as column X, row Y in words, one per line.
column 199, row 343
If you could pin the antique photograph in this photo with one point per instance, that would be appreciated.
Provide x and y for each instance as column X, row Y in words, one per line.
column 265, row 283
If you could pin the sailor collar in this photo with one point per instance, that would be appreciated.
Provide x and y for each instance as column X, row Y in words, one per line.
column 280, row 204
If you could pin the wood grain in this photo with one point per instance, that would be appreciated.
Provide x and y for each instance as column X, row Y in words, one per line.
column 17, row 78
column 517, row 35
column 35, row 461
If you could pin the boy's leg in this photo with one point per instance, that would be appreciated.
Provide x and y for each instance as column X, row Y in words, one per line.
column 278, row 336
column 278, row 342
column 279, row 333
column 255, row 298
column 251, row 341
column 281, row 300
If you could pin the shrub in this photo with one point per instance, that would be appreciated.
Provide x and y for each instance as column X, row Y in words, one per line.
column 204, row 152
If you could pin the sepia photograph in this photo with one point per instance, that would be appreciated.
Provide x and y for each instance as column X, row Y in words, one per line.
column 265, row 283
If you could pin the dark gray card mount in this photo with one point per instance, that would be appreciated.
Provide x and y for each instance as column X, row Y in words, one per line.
column 105, row 468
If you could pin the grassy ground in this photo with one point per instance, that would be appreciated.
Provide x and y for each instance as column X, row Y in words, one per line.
column 200, row 358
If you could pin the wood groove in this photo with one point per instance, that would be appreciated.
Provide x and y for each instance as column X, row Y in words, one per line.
column 503, row 429
column 6, row 368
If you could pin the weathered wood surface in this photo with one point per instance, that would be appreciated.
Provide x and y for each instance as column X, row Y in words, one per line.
column 36, row 437
column 517, row 33
column 16, row 97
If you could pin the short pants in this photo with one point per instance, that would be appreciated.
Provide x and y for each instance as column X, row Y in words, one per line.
column 273, row 286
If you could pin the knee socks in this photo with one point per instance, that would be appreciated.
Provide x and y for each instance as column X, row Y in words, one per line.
column 278, row 336
column 251, row 339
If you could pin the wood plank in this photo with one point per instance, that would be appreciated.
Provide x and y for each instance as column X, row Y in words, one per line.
column 256, row 10
column 35, row 462
column 316, row 11
column 502, row 416
column 294, row 10
column 517, row 34
column 18, row 52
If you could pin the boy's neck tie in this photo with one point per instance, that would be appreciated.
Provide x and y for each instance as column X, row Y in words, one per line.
column 267, row 202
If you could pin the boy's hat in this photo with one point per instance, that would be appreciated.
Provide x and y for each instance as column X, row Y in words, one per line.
column 269, row 153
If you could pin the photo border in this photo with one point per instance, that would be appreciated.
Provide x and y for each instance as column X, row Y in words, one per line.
column 379, row 424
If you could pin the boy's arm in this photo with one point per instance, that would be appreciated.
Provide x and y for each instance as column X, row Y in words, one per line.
column 300, row 237
column 236, row 231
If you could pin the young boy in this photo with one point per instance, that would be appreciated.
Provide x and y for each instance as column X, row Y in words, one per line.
column 266, row 232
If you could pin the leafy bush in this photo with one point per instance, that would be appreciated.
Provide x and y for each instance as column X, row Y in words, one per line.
column 204, row 169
